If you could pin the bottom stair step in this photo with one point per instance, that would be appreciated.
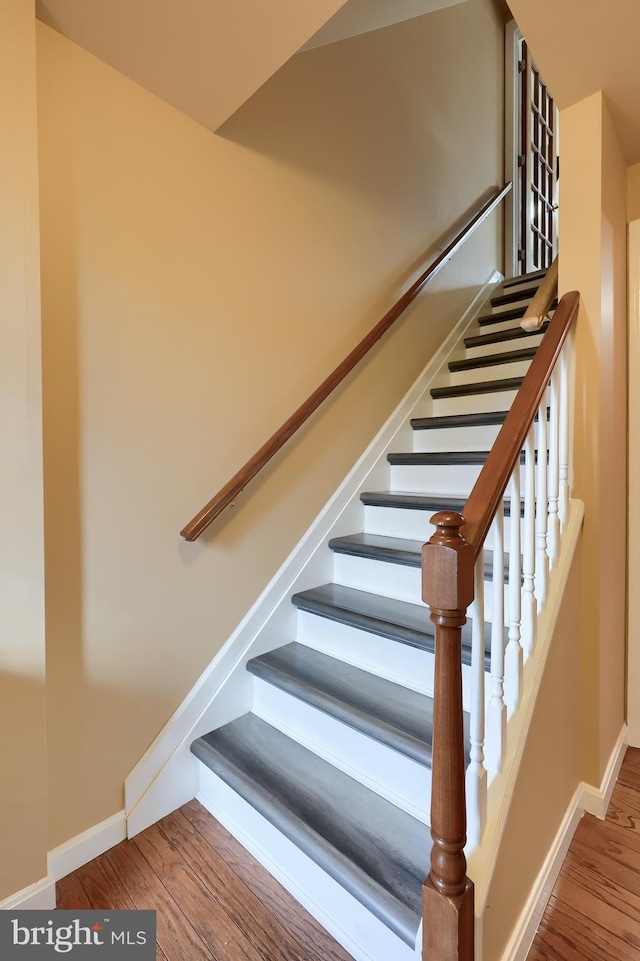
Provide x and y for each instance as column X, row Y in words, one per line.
column 377, row 852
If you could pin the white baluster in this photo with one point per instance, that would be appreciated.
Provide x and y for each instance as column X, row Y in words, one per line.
column 529, row 606
column 513, row 653
column 477, row 772
column 553, row 530
column 563, row 466
column 497, row 711
column 542, row 558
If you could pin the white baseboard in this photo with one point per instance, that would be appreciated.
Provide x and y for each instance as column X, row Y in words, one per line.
column 527, row 924
column 66, row 858
column 85, row 847
column 40, row 896
column 586, row 799
column 596, row 800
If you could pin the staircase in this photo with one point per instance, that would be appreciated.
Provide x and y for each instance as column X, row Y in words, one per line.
column 327, row 779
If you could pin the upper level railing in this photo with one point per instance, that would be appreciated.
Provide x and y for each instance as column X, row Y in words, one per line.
column 261, row 458
column 453, row 571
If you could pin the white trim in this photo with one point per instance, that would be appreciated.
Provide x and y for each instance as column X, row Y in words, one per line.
column 165, row 776
column 586, row 799
column 633, row 619
column 512, row 36
column 85, row 847
column 527, row 924
column 483, row 860
column 596, row 799
column 40, row 896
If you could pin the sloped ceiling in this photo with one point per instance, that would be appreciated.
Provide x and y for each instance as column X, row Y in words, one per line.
column 205, row 57
column 582, row 47
column 361, row 16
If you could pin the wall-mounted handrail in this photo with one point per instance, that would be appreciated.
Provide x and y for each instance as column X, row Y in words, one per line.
column 239, row 481
column 452, row 566
column 538, row 310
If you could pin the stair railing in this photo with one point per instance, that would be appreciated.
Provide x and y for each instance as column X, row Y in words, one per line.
column 531, row 449
column 227, row 494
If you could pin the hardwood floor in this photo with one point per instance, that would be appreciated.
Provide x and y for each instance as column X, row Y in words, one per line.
column 594, row 911
column 214, row 902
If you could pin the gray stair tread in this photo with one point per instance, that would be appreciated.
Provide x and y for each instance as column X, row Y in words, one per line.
column 491, row 360
column 513, row 313
column 449, row 421
column 421, row 502
column 525, row 278
column 388, row 617
column 481, row 387
column 440, row 458
column 374, row 850
column 395, row 550
column 387, row 712
column 413, row 500
column 510, row 296
column 499, row 336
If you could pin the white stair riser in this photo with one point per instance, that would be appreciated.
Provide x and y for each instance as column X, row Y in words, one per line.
column 495, row 400
column 454, row 480
column 386, row 580
column 405, row 782
column 401, row 522
column 502, row 346
column 503, row 308
column 378, row 577
column 398, row 522
column 396, row 662
column 513, row 287
column 392, row 660
column 489, row 372
column 368, row 939
column 499, row 326
column 455, row 439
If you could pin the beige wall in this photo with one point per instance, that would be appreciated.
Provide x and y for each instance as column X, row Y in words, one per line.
column 593, row 261
column 196, row 288
column 23, row 825
column 548, row 778
column 633, row 192
column 205, row 59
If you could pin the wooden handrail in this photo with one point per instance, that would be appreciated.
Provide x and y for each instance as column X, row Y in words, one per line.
column 489, row 489
column 540, row 306
column 239, row 481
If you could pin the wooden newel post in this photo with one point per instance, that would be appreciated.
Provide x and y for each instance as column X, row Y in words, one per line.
column 447, row 587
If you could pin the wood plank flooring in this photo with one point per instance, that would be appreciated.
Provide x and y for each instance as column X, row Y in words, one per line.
column 214, row 902
column 594, row 910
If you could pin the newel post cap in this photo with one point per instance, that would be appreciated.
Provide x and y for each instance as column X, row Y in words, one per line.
column 447, row 565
